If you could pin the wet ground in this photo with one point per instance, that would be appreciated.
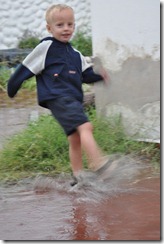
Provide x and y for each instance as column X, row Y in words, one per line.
column 125, row 205
column 16, row 113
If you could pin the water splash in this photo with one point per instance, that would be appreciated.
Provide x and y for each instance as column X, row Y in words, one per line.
column 119, row 178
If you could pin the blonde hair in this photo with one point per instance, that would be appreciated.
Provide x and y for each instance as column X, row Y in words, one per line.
column 57, row 7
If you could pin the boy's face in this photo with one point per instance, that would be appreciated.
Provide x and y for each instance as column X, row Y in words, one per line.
column 62, row 24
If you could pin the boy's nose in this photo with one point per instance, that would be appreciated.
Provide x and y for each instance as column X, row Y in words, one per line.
column 66, row 27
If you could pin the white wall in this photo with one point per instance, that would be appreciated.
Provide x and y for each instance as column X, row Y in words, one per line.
column 126, row 36
column 125, row 28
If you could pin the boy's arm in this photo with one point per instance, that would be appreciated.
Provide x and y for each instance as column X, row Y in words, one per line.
column 89, row 76
column 32, row 65
column 14, row 83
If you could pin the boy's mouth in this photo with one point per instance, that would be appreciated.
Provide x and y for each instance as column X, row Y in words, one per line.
column 66, row 35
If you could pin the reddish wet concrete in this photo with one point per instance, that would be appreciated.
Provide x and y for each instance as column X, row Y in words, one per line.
column 125, row 217
column 49, row 209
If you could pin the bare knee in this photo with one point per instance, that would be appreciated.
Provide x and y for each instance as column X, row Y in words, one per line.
column 85, row 127
column 74, row 140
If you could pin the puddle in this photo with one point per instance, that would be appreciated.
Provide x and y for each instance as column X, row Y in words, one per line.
column 124, row 206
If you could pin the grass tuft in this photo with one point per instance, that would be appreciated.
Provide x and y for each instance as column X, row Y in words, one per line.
column 42, row 148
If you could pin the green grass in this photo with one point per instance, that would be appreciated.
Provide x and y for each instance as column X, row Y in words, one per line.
column 4, row 76
column 30, row 84
column 82, row 43
column 42, row 148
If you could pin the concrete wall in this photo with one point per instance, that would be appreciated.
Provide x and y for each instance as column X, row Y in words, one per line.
column 126, row 36
column 19, row 17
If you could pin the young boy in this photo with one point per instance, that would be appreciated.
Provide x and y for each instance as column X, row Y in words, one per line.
column 60, row 71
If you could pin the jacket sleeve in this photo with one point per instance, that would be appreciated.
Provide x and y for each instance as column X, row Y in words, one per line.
column 14, row 83
column 32, row 65
column 89, row 76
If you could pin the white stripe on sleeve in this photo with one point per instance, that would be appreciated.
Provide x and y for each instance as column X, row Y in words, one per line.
column 85, row 64
column 35, row 61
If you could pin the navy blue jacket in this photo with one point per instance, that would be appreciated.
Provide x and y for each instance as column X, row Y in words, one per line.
column 60, row 70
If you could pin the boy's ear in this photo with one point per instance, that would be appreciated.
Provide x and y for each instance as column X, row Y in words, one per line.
column 48, row 28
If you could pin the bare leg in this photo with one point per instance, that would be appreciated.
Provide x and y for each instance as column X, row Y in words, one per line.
column 90, row 147
column 75, row 153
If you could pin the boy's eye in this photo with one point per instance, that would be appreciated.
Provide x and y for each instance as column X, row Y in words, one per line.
column 59, row 25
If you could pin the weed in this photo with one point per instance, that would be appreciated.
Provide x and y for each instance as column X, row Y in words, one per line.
column 82, row 43
column 28, row 40
column 42, row 148
column 4, row 76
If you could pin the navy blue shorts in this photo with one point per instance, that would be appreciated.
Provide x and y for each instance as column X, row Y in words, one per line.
column 68, row 112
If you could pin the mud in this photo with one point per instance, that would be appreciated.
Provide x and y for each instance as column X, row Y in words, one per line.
column 123, row 206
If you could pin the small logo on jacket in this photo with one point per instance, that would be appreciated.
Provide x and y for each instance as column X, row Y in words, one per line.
column 56, row 75
column 72, row 71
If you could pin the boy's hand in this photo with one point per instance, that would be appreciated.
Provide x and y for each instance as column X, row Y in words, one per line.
column 105, row 76
column 98, row 67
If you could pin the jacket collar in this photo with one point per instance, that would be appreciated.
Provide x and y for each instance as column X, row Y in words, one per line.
column 55, row 40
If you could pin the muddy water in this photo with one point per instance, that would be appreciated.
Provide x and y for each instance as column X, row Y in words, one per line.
column 125, row 205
